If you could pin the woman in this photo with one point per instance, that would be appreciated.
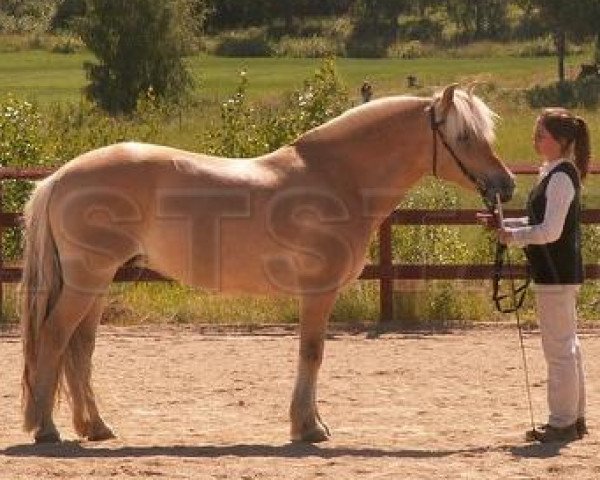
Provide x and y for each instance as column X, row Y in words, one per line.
column 551, row 236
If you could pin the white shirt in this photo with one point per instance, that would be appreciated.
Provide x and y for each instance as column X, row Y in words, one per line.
column 559, row 195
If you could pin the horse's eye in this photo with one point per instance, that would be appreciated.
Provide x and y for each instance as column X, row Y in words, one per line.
column 463, row 137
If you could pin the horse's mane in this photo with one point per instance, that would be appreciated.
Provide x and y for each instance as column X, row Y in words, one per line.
column 470, row 114
column 352, row 121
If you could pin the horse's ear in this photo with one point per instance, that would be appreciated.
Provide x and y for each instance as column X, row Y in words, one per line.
column 448, row 98
column 471, row 87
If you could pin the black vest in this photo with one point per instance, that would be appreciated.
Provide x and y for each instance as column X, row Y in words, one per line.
column 557, row 262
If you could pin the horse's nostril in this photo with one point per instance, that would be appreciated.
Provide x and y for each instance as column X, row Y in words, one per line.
column 506, row 190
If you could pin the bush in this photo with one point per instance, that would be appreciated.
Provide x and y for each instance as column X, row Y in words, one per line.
column 313, row 47
column 22, row 143
column 78, row 128
column 67, row 44
column 368, row 43
column 570, row 94
column 247, row 131
column 545, row 47
column 541, row 47
column 437, row 301
column 25, row 16
column 252, row 42
column 424, row 29
column 408, row 50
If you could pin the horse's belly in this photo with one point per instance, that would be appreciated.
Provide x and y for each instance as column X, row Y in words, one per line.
column 243, row 256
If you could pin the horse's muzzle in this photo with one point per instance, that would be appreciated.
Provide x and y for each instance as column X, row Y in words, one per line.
column 504, row 187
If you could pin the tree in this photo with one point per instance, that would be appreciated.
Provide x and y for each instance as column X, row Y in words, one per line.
column 25, row 15
column 140, row 46
column 562, row 18
column 67, row 12
column 478, row 19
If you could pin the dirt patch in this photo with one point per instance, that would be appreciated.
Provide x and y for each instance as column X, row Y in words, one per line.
column 192, row 404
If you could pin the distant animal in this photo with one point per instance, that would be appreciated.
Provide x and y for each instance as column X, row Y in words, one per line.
column 588, row 70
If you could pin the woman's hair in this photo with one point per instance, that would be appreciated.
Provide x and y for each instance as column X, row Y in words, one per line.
column 571, row 132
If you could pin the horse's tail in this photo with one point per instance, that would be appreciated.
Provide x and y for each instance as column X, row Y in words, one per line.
column 40, row 287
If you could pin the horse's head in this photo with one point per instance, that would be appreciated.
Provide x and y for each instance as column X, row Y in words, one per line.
column 463, row 134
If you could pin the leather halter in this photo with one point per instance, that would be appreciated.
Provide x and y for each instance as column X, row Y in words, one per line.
column 436, row 132
column 518, row 293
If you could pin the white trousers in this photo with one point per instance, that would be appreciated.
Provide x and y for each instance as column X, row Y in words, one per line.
column 556, row 307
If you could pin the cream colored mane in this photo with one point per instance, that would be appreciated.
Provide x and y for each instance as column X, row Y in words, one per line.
column 470, row 115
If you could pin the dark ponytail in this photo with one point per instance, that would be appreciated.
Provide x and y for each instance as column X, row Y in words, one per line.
column 582, row 147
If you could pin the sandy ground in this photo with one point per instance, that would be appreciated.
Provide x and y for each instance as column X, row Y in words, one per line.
column 188, row 404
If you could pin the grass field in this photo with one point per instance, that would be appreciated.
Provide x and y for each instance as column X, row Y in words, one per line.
column 50, row 77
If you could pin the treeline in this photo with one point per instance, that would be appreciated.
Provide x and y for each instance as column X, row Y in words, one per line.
column 458, row 20
column 471, row 20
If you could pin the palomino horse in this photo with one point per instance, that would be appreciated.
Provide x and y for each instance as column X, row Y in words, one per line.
column 296, row 221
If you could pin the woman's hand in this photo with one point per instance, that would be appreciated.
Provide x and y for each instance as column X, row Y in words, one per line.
column 504, row 236
column 491, row 222
column 488, row 220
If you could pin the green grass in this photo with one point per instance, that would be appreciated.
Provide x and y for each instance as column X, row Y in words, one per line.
column 42, row 76
column 48, row 77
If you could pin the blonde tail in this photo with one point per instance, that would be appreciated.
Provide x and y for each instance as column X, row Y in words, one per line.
column 40, row 287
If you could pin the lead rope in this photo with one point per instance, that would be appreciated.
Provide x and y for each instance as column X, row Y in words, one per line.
column 530, row 434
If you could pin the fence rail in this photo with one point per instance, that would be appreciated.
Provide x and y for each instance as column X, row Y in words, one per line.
column 385, row 271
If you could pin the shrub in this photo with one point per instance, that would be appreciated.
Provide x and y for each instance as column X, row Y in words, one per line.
column 571, row 94
column 77, row 128
column 370, row 40
column 367, row 46
column 246, row 130
column 541, row 47
column 313, row 47
column 408, row 50
column 424, row 29
column 22, row 143
column 436, row 301
column 252, row 42
column 67, row 44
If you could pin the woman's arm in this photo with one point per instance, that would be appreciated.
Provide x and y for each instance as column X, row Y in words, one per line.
column 515, row 222
column 559, row 195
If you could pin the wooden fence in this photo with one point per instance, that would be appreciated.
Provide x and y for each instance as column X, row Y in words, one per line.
column 385, row 271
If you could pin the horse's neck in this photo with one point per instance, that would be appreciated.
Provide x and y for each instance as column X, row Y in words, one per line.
column 378, row 151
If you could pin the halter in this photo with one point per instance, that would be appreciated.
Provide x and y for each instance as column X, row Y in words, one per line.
column 517, row 294
column 436, row 132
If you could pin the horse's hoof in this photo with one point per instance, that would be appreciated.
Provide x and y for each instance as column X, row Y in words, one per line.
column 51, row 437
column 101, row 434
column 316, row 435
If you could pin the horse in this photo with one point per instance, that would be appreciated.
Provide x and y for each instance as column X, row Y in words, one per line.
column 296, row 221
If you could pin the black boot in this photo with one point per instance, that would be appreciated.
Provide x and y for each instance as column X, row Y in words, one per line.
column 548, row 433
column 581, row 427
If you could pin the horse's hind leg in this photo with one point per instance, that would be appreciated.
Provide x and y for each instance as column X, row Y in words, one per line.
column 55, row 333
column 306, row 422
column 78, row 372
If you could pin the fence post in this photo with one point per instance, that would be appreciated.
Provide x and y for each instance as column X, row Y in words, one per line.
column 386, row 305
column 1, row 249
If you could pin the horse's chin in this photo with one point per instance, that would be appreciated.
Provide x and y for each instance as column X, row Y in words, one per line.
column 491, row 196
column 504, row 190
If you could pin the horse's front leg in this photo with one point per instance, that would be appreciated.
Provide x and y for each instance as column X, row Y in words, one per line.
column 307, row 425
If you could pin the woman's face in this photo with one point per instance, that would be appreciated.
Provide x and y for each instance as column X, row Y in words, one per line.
column 544, row 144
